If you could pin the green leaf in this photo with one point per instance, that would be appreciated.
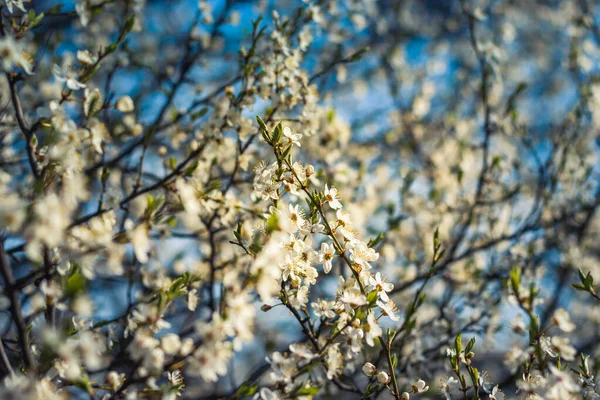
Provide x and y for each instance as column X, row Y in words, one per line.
column 262, row 123
column 34, row 20
column 178, row 285
column 128, row 24
column 408, row 181
column 150, row 202
column 255, row 248
column 308, row 391
column 459, row 174
column 111, row 48
column 246, row 390
column 420, row 300
column 436, row 239
column 358, row 55
column 163, row 299
column 579, row 287
column 586, row 280
column 278, row 133
column 84, row 383
column 331, row 115
column 360, row 314
column 200, row 114
column 286, row 152
column 371, row 388
column 105, row 174
column 89, row 73
column 189, row 171
column 372, row 297
column 76, row 284
column 272, row 223
column 515, row 278
column 514, row 96
column 470, row 345
column 375, row 241
column 458, row 343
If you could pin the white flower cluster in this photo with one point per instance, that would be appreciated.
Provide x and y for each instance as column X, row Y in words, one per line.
column 418, row 172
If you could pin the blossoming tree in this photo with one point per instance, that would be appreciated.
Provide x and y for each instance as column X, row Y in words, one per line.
column 294, row 199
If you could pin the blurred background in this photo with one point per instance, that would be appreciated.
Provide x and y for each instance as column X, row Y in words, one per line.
column 477, row 117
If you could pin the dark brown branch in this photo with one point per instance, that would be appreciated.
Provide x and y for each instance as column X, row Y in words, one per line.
column 15, row 309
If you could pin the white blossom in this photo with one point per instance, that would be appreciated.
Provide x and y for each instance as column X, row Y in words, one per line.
column 125, row 104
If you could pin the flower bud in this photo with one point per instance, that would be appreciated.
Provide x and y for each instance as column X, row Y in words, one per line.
column 382, row 377
column 125, row 104
column 369, row 369
column 405, row 396
column 310, row 170
column 114, row 380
